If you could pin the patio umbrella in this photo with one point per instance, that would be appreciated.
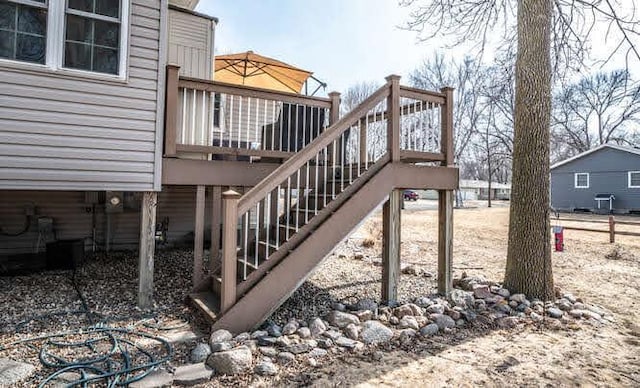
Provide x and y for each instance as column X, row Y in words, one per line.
column 255, row 70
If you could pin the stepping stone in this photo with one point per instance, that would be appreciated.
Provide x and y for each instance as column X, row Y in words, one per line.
column 12, row 372
column 155, row 379
column 188, row 375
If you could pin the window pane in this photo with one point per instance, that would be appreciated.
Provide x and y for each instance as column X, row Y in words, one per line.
column 635, row 179
column 32, row 20
column 6, row 44
column 77, row 56
column 108, row 8
column 82, row 5
column 79, row 29
column 105, row 60
column 7, row 16
column 107, row 34
column 30, row 48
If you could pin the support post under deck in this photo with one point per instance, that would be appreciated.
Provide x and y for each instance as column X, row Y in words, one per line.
column 147, row 249
column 216, row 221
column 445, row 240
column 391, row 228
column 198, row 240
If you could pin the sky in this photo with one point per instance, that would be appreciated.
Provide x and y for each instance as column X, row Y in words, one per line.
column 342, row 41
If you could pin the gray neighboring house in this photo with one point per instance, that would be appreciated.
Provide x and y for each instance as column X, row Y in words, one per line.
column 610, row 173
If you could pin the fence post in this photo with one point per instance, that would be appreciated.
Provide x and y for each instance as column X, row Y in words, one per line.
column 612, row 229
column 393, row 121
column 228, row 295
column 446, row 120
column 334, row 116
column 171, row 111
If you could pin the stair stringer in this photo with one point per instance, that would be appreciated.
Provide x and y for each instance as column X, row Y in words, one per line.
column 288, row 275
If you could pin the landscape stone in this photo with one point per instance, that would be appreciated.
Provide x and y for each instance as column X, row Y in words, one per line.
column 454, row 314
column 576, row 313
column 298, row 348
column 520, row 298
column 12, row 372
column 286, row 358
column 374, row 332
column 469, row 315
column 596, row 309
column 436, row 309
column 156, row 379
column 283, row 342
column 430, row 329
column 424, row 302
column 232, row 361
column 462, row 298
column 352, row 331
column 535, row 317
column 221, row 335
column 332, row 334
column 341, row 319
column 394, row 320
column 242, row 337
column 268, row 351
column 200, row 353
column 338, row 306
column 266, row 368
column 482, row 291
column 564, row 304
column 554, row 312
column 346, row 342
column 318, row 353
column 407, row 309
column 317, row 327
column 259, row 333
column 366, row 304
column 291, row 327
column 443, row 321
column 274, row 330
column 267, row 341
column 304, row 332
column 407, row 335
column 363, row 315
column 325, row 343
column 220, row 347
column 188, row 375
column 572, row 299
column 408, row 322
column 503, row 292
column 312, row 362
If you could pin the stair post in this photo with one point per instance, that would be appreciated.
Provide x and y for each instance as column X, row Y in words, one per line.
column 228, row 295
column 391, row 229
column 171, row 111
column 445, row 199
column 393, row 120
column 334, row 116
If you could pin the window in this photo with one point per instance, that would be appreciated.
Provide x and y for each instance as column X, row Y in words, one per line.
column 92, row 35
column 76, row 35
column 634, row 179
column 23, row 30
column 581, row 180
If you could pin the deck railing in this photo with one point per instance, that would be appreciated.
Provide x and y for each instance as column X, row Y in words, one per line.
column 394, row 124
column 221, row 121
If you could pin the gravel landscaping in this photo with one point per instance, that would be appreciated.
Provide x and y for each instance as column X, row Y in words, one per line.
column 332, row 331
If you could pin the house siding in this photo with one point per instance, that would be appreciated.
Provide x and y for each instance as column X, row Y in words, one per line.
column 191, row 44
column 608, row 173
column 61, row 132
column 73, row 218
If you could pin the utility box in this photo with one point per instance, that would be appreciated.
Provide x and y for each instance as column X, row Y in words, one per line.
column 65, row 254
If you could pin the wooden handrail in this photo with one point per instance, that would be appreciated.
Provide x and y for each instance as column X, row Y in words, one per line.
column 258, row 192
column 248, row 91
column 422, row 95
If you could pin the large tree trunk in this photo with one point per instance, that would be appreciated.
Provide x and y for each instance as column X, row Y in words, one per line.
column 529, row 254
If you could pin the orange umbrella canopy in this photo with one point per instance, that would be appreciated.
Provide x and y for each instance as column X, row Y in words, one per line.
column 255, row 70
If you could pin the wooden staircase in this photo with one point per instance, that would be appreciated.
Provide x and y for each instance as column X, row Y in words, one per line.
column 280, row 230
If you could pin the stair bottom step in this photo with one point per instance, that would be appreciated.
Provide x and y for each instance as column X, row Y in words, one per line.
column 207, row 303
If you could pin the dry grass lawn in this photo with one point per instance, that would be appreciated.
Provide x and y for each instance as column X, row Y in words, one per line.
column 592, row 269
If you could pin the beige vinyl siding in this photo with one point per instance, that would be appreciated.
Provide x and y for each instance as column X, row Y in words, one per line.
column 190, row 44
column 64, row 132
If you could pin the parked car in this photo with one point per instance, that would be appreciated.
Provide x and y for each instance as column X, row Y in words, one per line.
column 411, row 195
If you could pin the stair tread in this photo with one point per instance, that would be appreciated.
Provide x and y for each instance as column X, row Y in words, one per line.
column 207, row 302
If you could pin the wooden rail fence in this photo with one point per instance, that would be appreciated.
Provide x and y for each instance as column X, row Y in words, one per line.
column 611, row 222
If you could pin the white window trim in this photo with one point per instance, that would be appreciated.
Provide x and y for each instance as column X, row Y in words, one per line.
column 629, row 180
column 56, row 21
column 575, row 180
